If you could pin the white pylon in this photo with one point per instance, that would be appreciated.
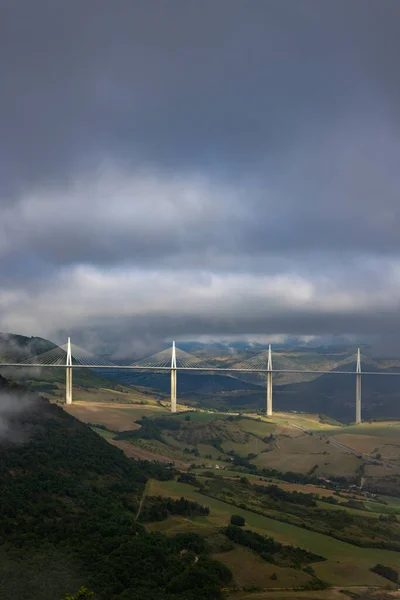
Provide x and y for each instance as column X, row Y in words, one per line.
column 173, row 379
column 269, row 383
column 358, row 388
column 68, row 375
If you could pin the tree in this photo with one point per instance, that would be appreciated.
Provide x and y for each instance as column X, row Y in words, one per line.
column 82, row 594
column 387, row 572
column 237, row 520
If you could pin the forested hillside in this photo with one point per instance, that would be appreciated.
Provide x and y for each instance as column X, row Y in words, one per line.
column 68, row 502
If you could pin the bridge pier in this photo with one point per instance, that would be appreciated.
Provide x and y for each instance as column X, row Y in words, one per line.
column 68, row 375
column 68, row 385
column 358, row 389
column 269, row 383
column 173, row 379
column 358, row 399
column 173, row 390
column 269, row 394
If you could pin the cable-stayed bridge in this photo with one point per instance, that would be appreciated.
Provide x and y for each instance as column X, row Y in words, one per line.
column 173, row 359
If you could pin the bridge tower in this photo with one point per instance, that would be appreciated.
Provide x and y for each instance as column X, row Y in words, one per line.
column 269, row 383
column 173, row 379
column 358, row 389
column 68, row 375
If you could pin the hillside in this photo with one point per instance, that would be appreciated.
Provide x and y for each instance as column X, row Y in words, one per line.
column 68, row 506
column 333, row 451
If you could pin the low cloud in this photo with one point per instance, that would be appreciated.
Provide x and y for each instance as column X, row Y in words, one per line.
column 155, row 187
column 11, row 407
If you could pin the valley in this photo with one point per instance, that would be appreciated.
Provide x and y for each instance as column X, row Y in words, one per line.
column 317, row 498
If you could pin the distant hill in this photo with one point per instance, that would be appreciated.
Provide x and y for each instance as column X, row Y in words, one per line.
column 334, row 395
column 20, row 348
column 188, row 383
column 16, row 348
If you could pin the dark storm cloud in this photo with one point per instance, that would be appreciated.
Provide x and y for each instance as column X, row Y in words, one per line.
column 194, row 144
column 179, row 82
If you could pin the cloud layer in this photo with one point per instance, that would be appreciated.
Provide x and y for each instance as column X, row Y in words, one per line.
column 199, row 169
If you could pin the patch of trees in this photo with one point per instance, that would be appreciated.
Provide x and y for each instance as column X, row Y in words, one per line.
column 386, row 572
column 151, row 429
column 238, row 520
column 279, row 495
column 390, row 518
column 358, row 504
column 390, row 486
column 330, row 500
column 82, row 594
column 158, row 508
column 187, row 478
column 157, row 470
column 269, row 549
column 193, row 451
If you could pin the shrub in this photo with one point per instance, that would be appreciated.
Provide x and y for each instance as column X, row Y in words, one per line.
column 82, row 594
column 387, row 572
column 238, row 520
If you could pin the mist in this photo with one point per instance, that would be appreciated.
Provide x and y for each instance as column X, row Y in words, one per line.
column 12, row 406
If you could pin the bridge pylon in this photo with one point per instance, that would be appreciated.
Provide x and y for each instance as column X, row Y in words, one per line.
column 358, row 389
column 173, row 379
column 68, row 375
column 269, row 383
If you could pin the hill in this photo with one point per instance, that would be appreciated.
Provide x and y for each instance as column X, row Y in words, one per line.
column 16, row 348
column 68, row 507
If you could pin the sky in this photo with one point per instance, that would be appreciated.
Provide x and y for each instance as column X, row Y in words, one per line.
column 177, row 169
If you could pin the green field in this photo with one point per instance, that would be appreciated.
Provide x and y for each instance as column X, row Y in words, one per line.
column 252, row 571
column 380, row 429
column 256, row 427
column 108, row 435
column 201, row 416
column 334, row 550
column 393, row 502
column 253, row 446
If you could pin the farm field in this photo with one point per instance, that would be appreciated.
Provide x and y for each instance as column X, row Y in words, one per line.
column 138, row 453
column 303, row 452
column 331, row 548
column 118, row 417
column 252, row 571
column 267, row 444
column 382, row 429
